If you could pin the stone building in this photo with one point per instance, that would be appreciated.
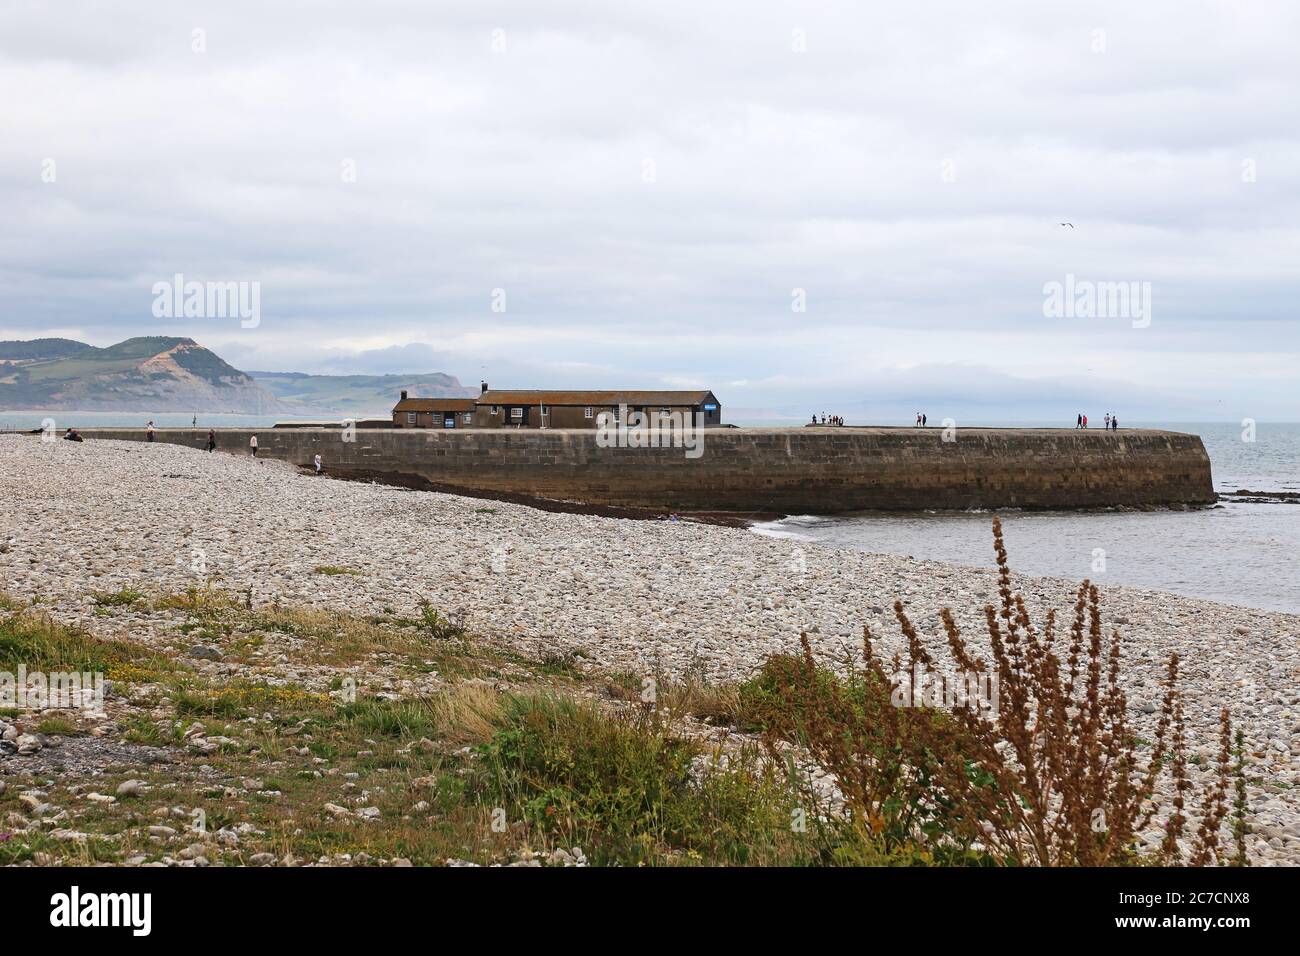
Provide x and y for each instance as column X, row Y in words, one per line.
column 552, row 408
column 433, row 412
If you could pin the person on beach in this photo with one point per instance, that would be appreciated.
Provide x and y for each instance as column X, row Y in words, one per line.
column 1114, row 423
column 918, row 420
column 1085, row 421
column 1106, row 421
column 252, row 446
column 924, row 420
column 148, row 429
column 316, row 462
column 72, row 435
column 1078, row 421
column 212, row 439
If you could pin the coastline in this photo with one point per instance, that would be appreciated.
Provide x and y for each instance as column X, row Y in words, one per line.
column 623, row 595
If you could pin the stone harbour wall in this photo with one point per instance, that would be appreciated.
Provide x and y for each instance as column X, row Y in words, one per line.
column 784, row 470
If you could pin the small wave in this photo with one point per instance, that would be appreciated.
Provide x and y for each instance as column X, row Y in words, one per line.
column 804, row 520
column 778, row 529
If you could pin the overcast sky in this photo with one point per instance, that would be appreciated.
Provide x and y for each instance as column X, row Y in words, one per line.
column 650, row 184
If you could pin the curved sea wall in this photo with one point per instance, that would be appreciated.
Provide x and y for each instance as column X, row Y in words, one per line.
column 786, row 470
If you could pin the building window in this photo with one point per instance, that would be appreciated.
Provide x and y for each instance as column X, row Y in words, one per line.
column 665, row 411
column 496, row 410
column 516, row 413
column 469, row 418
column 545, row 410
column 586, row 412
column 410, row 418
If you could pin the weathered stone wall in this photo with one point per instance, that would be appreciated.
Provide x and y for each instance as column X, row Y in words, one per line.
column 789, row 470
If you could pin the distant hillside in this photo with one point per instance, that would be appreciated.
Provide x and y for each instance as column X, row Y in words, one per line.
column 359, row 394
column 151, row 373
column 166, row 374
column 43, row 349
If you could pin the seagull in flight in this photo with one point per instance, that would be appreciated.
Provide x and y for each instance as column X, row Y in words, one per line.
column 1070, row 224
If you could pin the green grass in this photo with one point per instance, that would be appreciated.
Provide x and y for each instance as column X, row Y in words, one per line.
column 126, row 597
column 403, row 719
column 154, row 733
column 57, row 727
column 772, row 701
column 194, row 600
column 437, row 626
column 558, row 663
column 618, row 779
column 244, row 698
column 39, row 643
column 628, row 791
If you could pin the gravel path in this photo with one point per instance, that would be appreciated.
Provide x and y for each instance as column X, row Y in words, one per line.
column 77, row 519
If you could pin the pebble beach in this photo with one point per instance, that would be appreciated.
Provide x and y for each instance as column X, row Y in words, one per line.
column 670, row 597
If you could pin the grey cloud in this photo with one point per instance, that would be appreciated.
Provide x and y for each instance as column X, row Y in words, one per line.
column 774, row 170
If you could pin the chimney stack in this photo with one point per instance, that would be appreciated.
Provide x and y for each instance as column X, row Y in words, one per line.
column 403, row 394
column 484, row 387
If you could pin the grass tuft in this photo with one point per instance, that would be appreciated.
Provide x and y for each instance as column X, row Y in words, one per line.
column 125, row 597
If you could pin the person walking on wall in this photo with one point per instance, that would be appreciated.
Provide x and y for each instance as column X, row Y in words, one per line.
column 212, row 439
column 252, row 446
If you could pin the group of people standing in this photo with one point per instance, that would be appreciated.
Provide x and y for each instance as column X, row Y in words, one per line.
column 828, row 419
column 1111, row 422
column 921, row 420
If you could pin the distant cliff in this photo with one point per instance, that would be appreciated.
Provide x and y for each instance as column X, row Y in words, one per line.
column 167, row 374
column 151, row 373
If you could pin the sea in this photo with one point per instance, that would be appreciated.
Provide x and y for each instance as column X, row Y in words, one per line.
column 1235, row 552
column 1242, row 553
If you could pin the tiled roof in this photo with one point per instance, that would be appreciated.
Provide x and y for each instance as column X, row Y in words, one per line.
column 610, row 397
column 435, row 405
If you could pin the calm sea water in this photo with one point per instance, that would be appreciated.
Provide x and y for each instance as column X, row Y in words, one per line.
column 1245, row 554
